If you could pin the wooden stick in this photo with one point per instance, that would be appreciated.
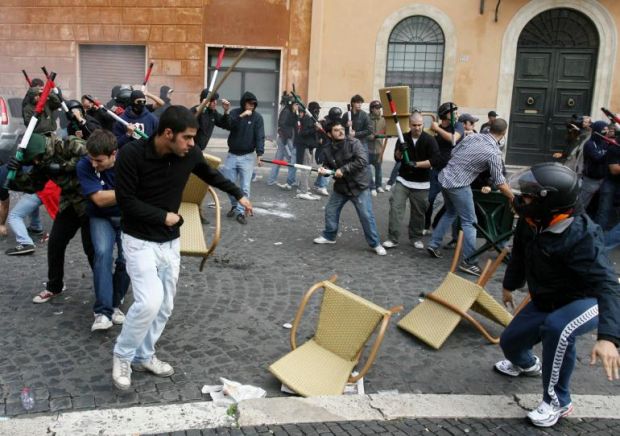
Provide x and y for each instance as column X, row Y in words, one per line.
column 228, row 71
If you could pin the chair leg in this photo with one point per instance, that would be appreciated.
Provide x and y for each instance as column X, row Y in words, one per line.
column 466, row 316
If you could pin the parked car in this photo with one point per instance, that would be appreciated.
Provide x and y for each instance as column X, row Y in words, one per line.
column 11, row 126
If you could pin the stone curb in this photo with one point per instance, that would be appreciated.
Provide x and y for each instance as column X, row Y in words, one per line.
column 295, row 410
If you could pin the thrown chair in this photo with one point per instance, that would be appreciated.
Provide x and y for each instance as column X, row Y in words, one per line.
column 193, row 241
column 323, row 365
column 433, row 320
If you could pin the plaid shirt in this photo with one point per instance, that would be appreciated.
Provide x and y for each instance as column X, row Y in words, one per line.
column 473, row 155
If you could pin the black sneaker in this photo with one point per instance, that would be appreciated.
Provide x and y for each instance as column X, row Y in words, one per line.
column 434, row 252
column 241, row 219
column 20, row 249
column 231, row 213
column 470, row 268
column 35, row 232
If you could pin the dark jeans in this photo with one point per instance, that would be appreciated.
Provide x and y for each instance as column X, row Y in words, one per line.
column 432, row 194
column 394, row 174
column 375, row 171
column 65, row 226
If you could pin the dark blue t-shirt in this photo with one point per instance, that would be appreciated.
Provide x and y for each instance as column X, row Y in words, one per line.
column 91, row 182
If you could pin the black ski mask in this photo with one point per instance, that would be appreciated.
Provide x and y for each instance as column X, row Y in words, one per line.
column 138, row 102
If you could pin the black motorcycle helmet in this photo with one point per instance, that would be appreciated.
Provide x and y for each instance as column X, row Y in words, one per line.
column 552, row 188
column 74, row 104
column 334, row 114
column 445, row 109
column 123, row 98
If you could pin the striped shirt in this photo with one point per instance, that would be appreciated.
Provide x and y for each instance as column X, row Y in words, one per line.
column 473, row 155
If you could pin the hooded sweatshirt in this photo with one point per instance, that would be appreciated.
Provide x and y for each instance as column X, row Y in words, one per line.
column 247, row 134
column 594, row 153
column 46, row 122
column 146, row 121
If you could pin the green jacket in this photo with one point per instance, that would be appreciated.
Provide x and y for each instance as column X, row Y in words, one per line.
column 47, row 121
column 377, row 126
column 57, row 164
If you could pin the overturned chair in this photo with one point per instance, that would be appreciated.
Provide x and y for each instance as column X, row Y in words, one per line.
column 193, row 241
column 323, row 365
column 433, row 320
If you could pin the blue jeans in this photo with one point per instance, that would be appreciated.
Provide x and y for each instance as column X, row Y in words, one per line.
column 285, row 151
column 558, row 331
column 459, row 202
column 433, row 192
column 612, row 237
column 605, row 210
column 110, row 285
column 394, row 173
column 321, row 181
column 239, row 170
column 27, row 205
column 375, row 167
column 154, row 271
column 363, row 207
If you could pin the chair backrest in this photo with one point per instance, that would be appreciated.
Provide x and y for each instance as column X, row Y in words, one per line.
column 346, row 321
column 493, row 212
column 195, row 189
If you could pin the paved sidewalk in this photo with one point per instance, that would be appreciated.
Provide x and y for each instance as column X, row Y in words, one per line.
column 227, row 320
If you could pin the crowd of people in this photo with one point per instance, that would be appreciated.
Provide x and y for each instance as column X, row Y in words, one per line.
column 120, row 183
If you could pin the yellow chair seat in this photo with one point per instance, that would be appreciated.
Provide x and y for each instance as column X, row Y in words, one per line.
column 311, row 370
column 192, row 237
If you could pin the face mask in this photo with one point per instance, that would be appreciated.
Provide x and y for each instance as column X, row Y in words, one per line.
column 535, row 211
column 138, row 108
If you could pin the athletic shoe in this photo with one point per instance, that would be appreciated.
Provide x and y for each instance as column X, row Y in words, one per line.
column 307, row 196
column 380, row 250
column 546, row 415
column 388, row 188
column 45, row 296
column 121, row 373
column 35, row 232
column 20, row 249
column 434, row 252
column 232, row 212
column 285, row 186
column 380, row 190
column 102, row 322
column 373, row 192
column 322, row 240
column 470, row 268
column 154, row 366
column 390, row 244
column 322, row 191
column 427, row 232
column 118, row 317
column 418, row 244
column 241, row 219
column 507, row 368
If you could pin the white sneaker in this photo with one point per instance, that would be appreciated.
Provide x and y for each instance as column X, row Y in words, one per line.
column 284, row 186
column 380, row 190
column 373, row 192
column 155, row 366
column 121, row 373
column 427, row 232
column 306, row 196
column 322, row 191
column 419, row 245
column 390, row 244
column 507, row 368
column 118, row 317
column 546, row 415
column 102, row 322
column 388, row 188
column 322, row 240
column 380, row 250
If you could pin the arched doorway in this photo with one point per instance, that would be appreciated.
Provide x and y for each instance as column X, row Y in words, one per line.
column 415, row 58
column 554, row 78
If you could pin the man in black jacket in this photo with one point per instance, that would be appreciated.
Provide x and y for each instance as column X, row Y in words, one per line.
column 413, row 182
column 287, row 126
column 247, row 136
column 150, row 179
column 348, row 161
column 208, row 117
column 306, row 141
column 560, row 255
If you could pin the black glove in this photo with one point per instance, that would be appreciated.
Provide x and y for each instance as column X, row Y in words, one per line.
column 13, row 164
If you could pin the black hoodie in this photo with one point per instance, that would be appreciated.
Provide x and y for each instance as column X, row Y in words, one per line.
column 247, row 134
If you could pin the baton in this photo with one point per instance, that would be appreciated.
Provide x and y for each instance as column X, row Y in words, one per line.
column 55, row 90
column 401, row 138
column 27, row 78
column 99, row 106
column 38, row 110
column 298, row 166
column 228, row 71
column 147, row 77
column 220, row 59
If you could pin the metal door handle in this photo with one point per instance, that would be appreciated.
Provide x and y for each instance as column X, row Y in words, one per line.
column 570, row 102
column 530, row 101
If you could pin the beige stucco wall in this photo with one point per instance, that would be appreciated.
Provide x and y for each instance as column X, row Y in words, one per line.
column 345, row 45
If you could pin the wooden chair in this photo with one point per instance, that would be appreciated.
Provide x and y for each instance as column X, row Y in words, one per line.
column 192, row 234
column 433, row 320
column 323, row 365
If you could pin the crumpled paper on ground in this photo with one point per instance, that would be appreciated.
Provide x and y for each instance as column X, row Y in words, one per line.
column 231, row 392
column 356, row 388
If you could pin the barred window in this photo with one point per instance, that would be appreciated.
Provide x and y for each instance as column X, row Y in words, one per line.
column 415, row 59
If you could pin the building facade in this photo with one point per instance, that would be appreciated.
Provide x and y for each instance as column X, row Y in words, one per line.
column 536, row 62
